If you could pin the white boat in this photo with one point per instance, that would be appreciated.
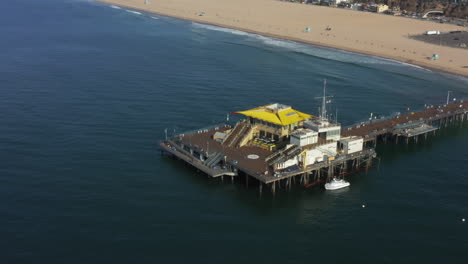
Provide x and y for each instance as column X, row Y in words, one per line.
column 336, row 184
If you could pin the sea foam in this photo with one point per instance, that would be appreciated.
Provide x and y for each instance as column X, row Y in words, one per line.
column 133, row 12
column 216, row 28
column 312, row 50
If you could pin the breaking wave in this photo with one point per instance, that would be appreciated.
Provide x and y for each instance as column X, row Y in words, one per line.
column 309, row 49
column 133, row 12
column 216, row 28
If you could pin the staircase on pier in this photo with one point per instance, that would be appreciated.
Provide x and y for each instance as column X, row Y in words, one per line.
column 214, row 159
column 237, row 134
column 283, row 155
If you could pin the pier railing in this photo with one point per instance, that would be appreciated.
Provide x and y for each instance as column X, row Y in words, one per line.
column 371, row 121
column 323, row 164
column 203, row 129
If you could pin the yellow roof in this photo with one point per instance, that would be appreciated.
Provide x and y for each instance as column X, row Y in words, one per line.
column 280, row 116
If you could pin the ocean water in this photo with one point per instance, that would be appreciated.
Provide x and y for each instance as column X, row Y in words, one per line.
column 87, row 90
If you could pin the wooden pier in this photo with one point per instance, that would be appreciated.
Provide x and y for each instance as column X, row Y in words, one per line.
column 250, row 163
column 410, row 125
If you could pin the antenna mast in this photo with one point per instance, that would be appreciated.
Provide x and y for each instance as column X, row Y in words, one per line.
column 324, row 110
column 336, row 116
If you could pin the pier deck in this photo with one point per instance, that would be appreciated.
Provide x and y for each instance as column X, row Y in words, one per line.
column 371, row 129
column 202, row 142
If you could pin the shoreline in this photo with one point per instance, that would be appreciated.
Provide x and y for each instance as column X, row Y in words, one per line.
column 410, row 63
column 397, row 58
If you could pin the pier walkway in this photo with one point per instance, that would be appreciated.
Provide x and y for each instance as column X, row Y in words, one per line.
column 428, row 119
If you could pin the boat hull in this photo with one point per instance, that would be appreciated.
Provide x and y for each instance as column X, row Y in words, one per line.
column 335, row 185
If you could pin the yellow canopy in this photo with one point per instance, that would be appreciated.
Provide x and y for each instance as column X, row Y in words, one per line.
column 281, row 117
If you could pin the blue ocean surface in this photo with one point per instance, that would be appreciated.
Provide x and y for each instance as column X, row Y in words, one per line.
column 87, row 90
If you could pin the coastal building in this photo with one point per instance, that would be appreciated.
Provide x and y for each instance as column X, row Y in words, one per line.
column 356, row 6
column 302, row 139
column 273, row 122
column 326, row 130
column 380, row 8
column 350, row 144
column 335, row 2
column 332, row 2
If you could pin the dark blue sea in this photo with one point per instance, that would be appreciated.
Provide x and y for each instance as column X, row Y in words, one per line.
column 86, row 91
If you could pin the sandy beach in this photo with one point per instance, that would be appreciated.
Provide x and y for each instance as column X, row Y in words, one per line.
column 369, row 33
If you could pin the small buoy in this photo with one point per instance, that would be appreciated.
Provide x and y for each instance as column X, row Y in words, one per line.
column 463, row 219
column 363, row 206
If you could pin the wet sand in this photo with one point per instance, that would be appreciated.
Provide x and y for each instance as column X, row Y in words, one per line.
column 369, row 33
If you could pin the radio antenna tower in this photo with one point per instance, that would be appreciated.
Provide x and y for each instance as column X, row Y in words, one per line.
column 323, row 114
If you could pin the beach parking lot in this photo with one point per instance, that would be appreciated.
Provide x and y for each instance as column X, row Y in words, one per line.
column 455, row 39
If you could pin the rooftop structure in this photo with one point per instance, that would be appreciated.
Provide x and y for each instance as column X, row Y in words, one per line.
column 277, row 114
column 267, row 126
column 303, row 137
column 378, row 8
column 325, row 129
